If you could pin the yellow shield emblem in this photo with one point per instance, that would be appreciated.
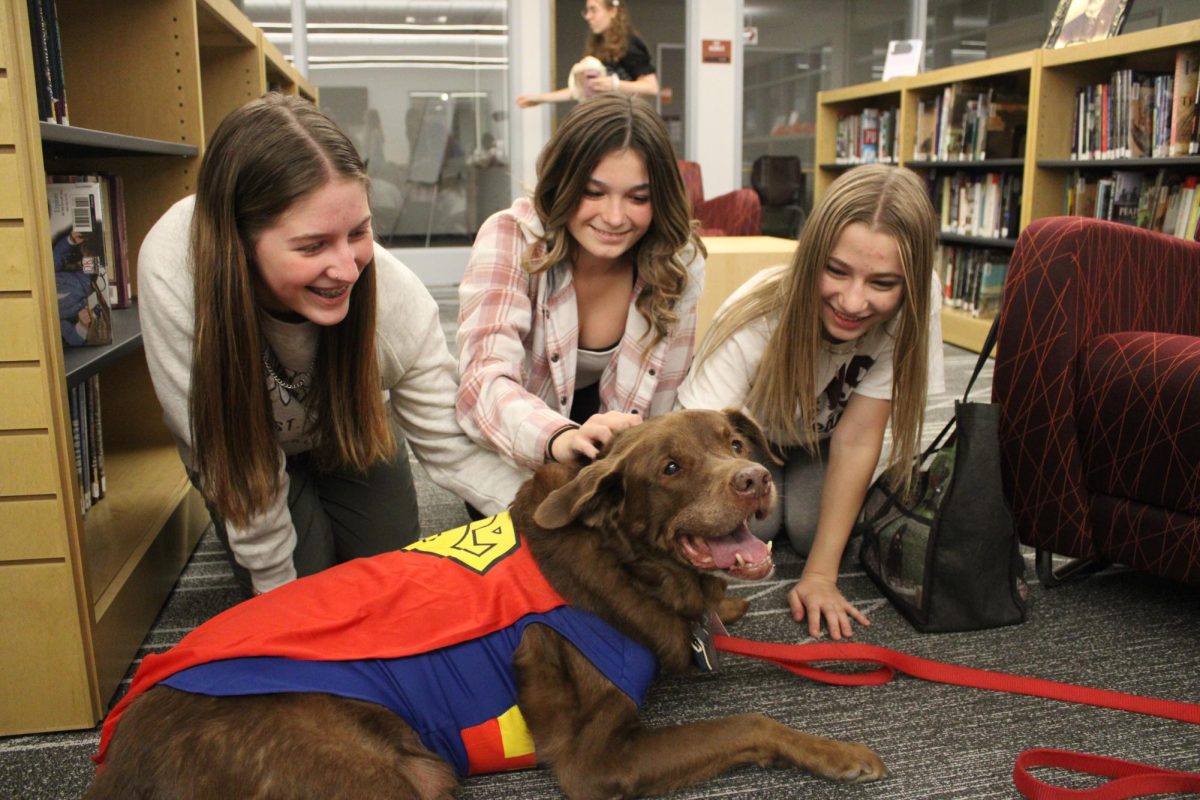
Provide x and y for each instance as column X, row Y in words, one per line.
column 478, row 546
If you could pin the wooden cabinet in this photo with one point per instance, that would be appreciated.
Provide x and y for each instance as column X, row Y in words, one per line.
column 1051, row 79
column 731, row 261
column 79, row 592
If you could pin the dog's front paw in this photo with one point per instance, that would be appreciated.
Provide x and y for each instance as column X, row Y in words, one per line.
column 731, row 609
column 850, row 762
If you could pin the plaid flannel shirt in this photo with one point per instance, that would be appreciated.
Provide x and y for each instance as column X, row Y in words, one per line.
column 518, row 336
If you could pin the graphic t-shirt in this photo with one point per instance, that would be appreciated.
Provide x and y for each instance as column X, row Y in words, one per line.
column 861, row 366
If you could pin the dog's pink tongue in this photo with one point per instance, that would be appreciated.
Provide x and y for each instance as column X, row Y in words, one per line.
column 725, row 549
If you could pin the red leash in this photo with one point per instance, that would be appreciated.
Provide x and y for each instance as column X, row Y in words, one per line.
column 1130, row 779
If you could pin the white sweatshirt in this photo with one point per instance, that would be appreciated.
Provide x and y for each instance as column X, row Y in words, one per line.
column 416, row 369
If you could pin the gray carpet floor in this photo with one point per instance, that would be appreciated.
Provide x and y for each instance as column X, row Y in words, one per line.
column 1118, row 630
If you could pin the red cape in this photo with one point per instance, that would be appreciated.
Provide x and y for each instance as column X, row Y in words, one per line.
column 393, row 605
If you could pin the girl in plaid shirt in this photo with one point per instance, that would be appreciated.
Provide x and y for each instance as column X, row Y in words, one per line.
column 578, row 308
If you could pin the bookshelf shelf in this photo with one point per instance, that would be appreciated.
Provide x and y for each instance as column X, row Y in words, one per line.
column 977, row 241
column 120, row 530
column 1050, row 79
column 833, row 166
column 81, row 363
column 1139, row 45
column 985, row 165
column 281, row 75
column 81, row 590
column 68, row 141
column 1174, row 162
column 963, row 330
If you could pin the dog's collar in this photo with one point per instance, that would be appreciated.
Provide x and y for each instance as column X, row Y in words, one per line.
column 704, row 654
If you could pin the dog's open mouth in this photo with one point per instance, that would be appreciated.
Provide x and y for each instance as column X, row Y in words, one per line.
column 740, row 553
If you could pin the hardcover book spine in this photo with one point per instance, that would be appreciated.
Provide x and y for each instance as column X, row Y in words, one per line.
column 93, row 440
column 103, row 479
column 38, row 33
column 77, row 440
column 57, row 73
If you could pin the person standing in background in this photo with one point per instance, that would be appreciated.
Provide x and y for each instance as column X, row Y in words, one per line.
column 624, row 60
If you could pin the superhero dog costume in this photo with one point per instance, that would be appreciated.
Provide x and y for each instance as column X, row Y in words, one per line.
column 428, row 632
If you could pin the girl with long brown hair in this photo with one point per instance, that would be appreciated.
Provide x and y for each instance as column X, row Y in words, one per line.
column 578, row 307
column 824, row 352
column 615, row 59
column 293, row 356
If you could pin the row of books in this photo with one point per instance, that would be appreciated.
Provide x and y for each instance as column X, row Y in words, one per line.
column 1140, row 114
column 91, row 254
column 973, row 278
column 870, row 136
column 88, row 436
column 1155, row 201
column 969, row 122
column 47, row 61
column 973, row 204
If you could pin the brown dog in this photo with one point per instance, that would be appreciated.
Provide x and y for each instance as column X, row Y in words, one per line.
column 634, row 539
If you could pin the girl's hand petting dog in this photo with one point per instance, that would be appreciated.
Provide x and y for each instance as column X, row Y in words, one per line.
column 587, row 440
column 818, row 597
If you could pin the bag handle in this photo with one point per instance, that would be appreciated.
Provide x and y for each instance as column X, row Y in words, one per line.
column 989, row 343
column 985, row 352
column 1133, row 779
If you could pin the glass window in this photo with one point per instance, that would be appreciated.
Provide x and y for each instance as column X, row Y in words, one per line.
column 422, row 89
column 791, row 52
column 960, row 31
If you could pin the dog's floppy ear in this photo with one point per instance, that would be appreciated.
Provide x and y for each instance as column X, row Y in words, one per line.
column 745, row 425
column 567, row 502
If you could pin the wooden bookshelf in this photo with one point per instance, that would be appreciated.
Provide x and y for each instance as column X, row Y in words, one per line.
column 279, row 73
column 1053, row 77
column 80, row 591
column 835, row 103
column 1065, row 71
column 230, row 61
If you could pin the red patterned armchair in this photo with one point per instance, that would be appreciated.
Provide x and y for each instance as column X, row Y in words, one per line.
column 1098, row 377
column 736, row 213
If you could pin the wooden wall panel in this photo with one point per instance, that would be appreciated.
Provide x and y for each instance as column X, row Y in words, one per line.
column 14, row 259
column 10, row 202
column 31, row 529
column 6, row 119
column 19, row 327
column 45, row 684
column 27, row 466
column 23, row 400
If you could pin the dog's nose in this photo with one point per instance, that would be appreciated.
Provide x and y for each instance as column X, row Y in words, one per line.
column 753, row 480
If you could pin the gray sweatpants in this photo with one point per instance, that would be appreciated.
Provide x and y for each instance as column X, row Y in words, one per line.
column 343, row 515
column 799, row 483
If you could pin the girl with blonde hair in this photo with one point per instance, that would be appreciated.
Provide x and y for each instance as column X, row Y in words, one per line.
column 823, row 352
column 615, row 59
column 291, row 354
column 578, row 307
